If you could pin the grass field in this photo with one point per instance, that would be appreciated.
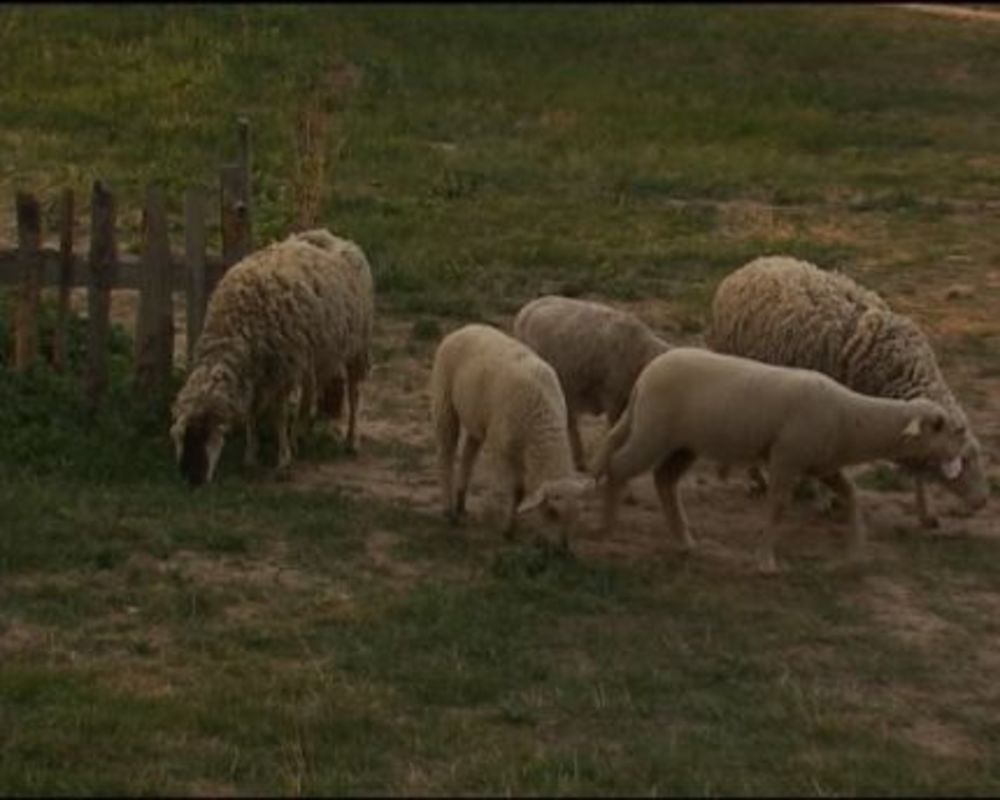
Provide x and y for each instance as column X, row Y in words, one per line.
column 291, row 636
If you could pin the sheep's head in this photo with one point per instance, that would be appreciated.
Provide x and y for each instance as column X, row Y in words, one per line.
column 198, row 441
column 561, row 500
column 969, row 482
column 934, row 437
column 203, row 413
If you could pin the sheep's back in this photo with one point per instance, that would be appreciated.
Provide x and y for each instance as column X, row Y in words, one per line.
column 790, row 313
column 596, row 351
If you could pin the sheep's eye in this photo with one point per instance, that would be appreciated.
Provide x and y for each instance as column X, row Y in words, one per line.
column 938, row 424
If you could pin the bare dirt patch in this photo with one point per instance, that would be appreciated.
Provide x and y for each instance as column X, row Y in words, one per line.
column 396, row 463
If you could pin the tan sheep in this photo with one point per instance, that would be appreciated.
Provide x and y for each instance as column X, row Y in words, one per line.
column 790, row 313
column 502, row 395
column 283, row 324
column 597, row 352
column 691, row 403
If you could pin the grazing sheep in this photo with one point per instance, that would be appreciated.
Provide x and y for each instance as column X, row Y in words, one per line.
column 596, row 351
column 690, row 402
column 791, row 313
column 286, row 328
column 503, row 395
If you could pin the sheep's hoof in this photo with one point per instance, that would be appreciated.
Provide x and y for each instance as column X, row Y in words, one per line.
column 931, row 523
column 453, row 517
column 767, row 565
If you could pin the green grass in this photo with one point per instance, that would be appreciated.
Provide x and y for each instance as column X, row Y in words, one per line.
column 475, row 150
column 257, row 637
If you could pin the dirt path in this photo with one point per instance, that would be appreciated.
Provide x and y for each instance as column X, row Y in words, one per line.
column 976, row 13
column 396, row 464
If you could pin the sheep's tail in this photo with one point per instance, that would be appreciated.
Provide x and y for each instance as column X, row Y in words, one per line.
column 614, row 439
column 627, row 450
column 443, row 412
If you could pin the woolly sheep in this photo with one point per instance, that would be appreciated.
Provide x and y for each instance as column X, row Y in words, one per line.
column 790, row 313
column 690, row 402
column 596, row 351
column 287, row 326
column 504, row 396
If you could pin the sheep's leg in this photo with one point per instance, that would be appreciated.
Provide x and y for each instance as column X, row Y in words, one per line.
column 927, row 519
column 844, row 489
column 287, row 416
column 470, row 450
column 252, row 450
column 667, row 475
column 575, row 443
column 307, row 406
column 513, row 490
column 758, row 483
column 447, row 430
column 353, row 383
column 779, row 493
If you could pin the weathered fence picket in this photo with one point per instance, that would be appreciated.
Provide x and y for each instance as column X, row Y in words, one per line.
column 154, row 339
column 29, row 238
column 196, row 276
column 102, row 269
column 60, row 337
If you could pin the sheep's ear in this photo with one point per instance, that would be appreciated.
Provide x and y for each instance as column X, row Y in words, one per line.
column 532, row 501
column 912, row 429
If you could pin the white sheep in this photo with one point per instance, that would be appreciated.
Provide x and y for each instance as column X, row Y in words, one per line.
column 285, row 324
column 496, row 390
column 597, row 352
column 690, row 403
column 791, row 313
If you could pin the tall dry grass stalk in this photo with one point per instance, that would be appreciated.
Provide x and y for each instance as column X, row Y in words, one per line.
column 316, row 146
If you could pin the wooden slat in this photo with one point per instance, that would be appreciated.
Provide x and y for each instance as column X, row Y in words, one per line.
column 154, row 341
column 195, row 242
column 127, row 272
column 101, row 273
column 67, row 268
column 29, row 237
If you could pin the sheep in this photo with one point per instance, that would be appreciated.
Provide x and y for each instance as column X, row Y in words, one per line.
column 790, row 313
column 285, row 328
column 691, row 402
column 504, row 396
column 596, row 351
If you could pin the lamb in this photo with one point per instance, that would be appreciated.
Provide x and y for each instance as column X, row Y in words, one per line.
column 286, row 327
column 690, row 402
column 790, row 313
column 504, row 396
column 596, row 351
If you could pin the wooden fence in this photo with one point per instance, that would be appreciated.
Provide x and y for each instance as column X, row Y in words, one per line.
column 158, row 272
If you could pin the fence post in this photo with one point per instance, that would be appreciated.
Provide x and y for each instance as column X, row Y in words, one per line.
column 234, row 184
column 29, row 238
column 60, row 340
column 195, row 278
column 154, row 341
column 103, row 258
column 234, row 215
column 243, row 131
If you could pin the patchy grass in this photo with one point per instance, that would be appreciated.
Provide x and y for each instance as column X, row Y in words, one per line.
column 257, row 637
